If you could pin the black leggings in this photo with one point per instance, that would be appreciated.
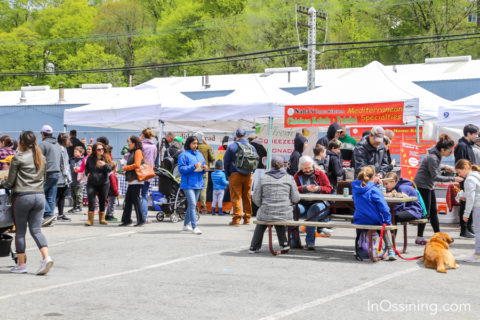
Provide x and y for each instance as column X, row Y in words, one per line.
column 101, row 191
column 61, row 194
column 260, row 230
column 430, row 201
column 132, row 199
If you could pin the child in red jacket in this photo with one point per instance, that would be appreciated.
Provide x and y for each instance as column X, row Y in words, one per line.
column 112, row 194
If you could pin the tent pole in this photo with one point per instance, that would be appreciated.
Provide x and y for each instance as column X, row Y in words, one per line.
column 270, row 134
column 160, row 142
column 418, row 129
column 64, row 128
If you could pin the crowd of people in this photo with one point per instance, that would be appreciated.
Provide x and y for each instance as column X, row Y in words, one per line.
column 42, row 175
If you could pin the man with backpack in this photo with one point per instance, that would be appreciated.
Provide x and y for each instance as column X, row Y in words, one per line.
column 241, row 160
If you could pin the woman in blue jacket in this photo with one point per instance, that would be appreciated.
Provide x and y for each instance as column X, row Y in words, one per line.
column 370, row 205
column 192, row 167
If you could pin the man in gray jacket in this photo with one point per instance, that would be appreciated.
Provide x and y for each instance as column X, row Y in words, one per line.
column 51, row 150
column 370, row 151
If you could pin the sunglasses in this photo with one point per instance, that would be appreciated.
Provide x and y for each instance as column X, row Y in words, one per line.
column 100, row 149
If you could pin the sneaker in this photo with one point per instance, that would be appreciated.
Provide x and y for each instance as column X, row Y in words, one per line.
column 475, row 258
column 467, row 235
column 325, row 232
column 48, row 221
column 125, row 224
column 47, row 263
column 19, row 269
column 196, row 231
column 141, row 224
column 220, row 213
column 148, row 221
column 310, row 247
column 285, row 249
column 77, row 210
column 253, row 250
column 391, row 255
column 63, row 218
column 421, row 241
column 187, row 228
column 71, row 210
column 111, row 218
column 213, row 213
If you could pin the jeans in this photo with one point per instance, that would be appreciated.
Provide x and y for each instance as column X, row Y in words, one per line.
column 50, row 189
column 191, row 214
column 146, row 186
column 307, row 211
column 476, row 218
column 111, row 206
column 77, row 195
column 132, row 199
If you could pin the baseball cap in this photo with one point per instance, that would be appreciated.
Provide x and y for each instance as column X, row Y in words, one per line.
column 378, row 133
column 46, row 129
column 8, row 159
column 240, row 132
column 178, row 138
column 252, row 136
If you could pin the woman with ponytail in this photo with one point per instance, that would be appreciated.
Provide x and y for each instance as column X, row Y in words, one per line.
column 471, row 173
column 370, row 205
column 427, row 175
column 26, row 178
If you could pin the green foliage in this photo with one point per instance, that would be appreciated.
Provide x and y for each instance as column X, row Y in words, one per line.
column 89, row 34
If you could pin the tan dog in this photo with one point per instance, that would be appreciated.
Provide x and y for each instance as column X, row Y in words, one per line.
column 436, row 255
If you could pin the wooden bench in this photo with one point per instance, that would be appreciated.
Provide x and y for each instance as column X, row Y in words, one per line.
column 332, row 225
column 405, row 238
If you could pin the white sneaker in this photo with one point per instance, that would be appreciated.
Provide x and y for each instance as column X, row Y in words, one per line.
column 47, row 263
column 187, row 228
column 475, row 258
column 19, row 269
column 196, row 231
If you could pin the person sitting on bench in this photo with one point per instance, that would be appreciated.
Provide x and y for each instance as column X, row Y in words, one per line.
column 273, row 195
column 370, row 205
column 310, row 180
column 406, row 211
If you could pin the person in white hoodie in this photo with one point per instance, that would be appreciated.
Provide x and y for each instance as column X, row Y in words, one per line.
column 476, row 151
column 471, row 173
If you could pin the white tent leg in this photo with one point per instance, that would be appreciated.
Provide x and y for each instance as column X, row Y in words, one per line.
column 270, row 137
column 418, row 129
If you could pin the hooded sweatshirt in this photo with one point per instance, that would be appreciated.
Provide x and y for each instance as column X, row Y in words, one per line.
column 332, row 129
column 298, row 144
column 464, row 150
column 335, row 168
column 51, row 150
column 370, row 205
column 429, row 171
column 414, row 207
column 472, row 193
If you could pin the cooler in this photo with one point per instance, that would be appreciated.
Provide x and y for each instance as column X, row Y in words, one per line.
column 445, row 216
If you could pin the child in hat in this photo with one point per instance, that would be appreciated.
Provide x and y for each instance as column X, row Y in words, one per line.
column 220, row 181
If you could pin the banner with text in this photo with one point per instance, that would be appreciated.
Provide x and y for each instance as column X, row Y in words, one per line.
column 410, row 160
column 386, row 113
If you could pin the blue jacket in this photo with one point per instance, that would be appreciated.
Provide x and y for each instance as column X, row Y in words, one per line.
column 229, row 158
column 186, row 167
column 219, row 180
column 370, row 205
column 414, row 207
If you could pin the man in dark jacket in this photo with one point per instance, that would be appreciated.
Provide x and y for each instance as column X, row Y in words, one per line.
column 464, row 150
column 334, row 131
column 75, row 143
column 51, row 150
column 370, row 151
column 334, row 166
column 299, row 145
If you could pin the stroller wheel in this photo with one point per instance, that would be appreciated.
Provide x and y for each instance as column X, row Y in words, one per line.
column 174, row 217
column 160, row 216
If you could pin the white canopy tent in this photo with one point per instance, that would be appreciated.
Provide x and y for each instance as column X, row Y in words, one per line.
column 373, row 84
column 454, row 116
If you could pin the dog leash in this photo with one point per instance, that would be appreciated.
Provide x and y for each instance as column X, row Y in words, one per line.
column 393, row 246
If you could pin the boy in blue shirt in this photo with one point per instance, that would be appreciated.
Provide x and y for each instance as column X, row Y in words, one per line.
column 219, row 181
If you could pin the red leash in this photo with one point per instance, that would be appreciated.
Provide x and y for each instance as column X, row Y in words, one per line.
column 393, row 246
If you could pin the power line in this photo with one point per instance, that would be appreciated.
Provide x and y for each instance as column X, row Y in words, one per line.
column 266, row 54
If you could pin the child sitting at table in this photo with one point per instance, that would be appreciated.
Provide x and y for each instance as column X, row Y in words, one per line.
column 405, row 211
column 219, row 180
column 370, row 205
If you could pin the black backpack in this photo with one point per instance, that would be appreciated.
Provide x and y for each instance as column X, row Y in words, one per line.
column 246, row 158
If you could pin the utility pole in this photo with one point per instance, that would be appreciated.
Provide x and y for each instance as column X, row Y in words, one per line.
column 312, row 39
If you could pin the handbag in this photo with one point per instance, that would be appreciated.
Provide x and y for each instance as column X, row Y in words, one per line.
column 145, row 172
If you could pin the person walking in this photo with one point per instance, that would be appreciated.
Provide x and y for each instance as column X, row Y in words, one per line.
column 464, row 150
column 150, row 153
column 26, row 179
column 51, row 150
column 428, row 173
column 132, row 197
column 274, row 194
column 191, row 165
column 240, row 178
column 207, row 153
column 97, row 169
column 65, row 177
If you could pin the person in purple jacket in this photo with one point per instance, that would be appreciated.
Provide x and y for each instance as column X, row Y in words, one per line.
column 150, row 153
column 406, row 211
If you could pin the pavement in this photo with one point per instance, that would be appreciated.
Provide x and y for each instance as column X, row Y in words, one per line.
column 158, row 272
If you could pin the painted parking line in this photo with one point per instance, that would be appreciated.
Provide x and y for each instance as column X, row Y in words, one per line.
column 341, row 294
column 118, row 274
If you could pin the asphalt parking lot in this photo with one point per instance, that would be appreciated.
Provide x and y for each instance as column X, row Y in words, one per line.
column 158, row 272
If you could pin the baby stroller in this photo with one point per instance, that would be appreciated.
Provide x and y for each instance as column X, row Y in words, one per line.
column 174, row 205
